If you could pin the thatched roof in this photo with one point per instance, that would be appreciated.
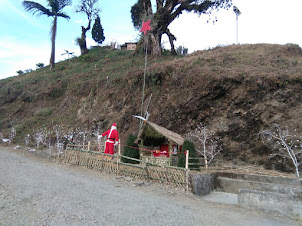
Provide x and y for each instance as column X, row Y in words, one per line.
column 167, row 133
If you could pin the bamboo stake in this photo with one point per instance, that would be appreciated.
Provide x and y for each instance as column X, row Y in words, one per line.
column 119, row 148
column 206, row 163
column 187, row 170
column 88, row 145
column 117, row 157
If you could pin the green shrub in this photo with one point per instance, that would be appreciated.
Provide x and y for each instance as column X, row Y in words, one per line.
column 193, row 163
column 131, row 150
column 20, row 72
column 40, row 65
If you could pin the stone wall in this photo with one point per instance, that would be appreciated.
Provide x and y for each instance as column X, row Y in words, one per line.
column 202, row 184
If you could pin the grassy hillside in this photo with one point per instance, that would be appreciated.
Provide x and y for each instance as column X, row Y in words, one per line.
column 235, row 90
column 38, row 98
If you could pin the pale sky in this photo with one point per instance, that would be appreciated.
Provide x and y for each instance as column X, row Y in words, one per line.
column 25, row 39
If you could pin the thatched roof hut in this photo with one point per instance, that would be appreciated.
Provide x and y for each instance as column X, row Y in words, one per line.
column 154, row 135
column 176, row 138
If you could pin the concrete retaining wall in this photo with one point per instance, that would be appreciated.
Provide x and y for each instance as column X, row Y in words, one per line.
column 282, row 196
column 260, row 178
column 234, row 185
column 272, row 202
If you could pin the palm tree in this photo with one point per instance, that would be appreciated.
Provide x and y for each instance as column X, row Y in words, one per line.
column 55, row 11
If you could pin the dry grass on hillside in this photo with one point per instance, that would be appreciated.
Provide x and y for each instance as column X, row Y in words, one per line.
column 81, row 84
column 250, row 61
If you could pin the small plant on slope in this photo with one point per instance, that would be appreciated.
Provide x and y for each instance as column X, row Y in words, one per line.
column 209, row 144
column 289, row 146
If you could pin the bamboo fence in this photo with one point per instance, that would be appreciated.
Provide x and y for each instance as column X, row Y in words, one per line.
column 170, row 175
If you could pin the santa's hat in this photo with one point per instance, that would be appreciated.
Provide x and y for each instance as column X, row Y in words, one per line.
column 114, row 124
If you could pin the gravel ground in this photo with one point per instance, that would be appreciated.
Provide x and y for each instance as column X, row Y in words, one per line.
column 37, row 191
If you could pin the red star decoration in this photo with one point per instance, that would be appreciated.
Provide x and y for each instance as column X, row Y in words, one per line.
column 146, row 27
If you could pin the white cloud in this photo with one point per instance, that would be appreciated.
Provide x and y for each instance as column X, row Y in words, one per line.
column 120, row 38
column 90, row 42
column 258, row 23
column 78, row 22
column 82, row 22
column 22, row 14
column 16, row 55
column 195, row 33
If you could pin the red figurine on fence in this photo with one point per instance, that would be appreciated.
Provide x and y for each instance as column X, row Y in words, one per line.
column 112, row 139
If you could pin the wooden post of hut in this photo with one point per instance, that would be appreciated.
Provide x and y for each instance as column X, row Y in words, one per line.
column 170, row 152
column 139, row 140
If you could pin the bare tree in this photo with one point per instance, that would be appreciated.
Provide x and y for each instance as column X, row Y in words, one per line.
column 90, row 8
column 209, row 144
column 289, row 146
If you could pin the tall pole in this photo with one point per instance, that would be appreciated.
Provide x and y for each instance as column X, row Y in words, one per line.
column 237, row 12
column 144, row 83
column 237, row 29
column 145, row 28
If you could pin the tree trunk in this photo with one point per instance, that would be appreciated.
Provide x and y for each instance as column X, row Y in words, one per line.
column 139, row 45
column 156, row 44
column 83, row 45
column 171, row 40
column 53, row 43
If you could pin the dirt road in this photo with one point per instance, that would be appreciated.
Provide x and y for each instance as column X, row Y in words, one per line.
column 36, row 191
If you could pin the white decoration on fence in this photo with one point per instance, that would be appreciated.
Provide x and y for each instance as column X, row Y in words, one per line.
column 41, row 137
column 12, row 134
column 60, row 148
column 45, row 137
column 27, row 140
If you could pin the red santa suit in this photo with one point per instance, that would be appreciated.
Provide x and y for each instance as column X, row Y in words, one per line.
column 112, row 139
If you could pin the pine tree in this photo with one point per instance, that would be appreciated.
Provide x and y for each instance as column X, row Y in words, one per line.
column 194, row 163
column 97, row 31
column 131, row 150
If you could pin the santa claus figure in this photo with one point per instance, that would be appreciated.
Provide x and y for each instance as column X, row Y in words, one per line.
column 112, row 139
